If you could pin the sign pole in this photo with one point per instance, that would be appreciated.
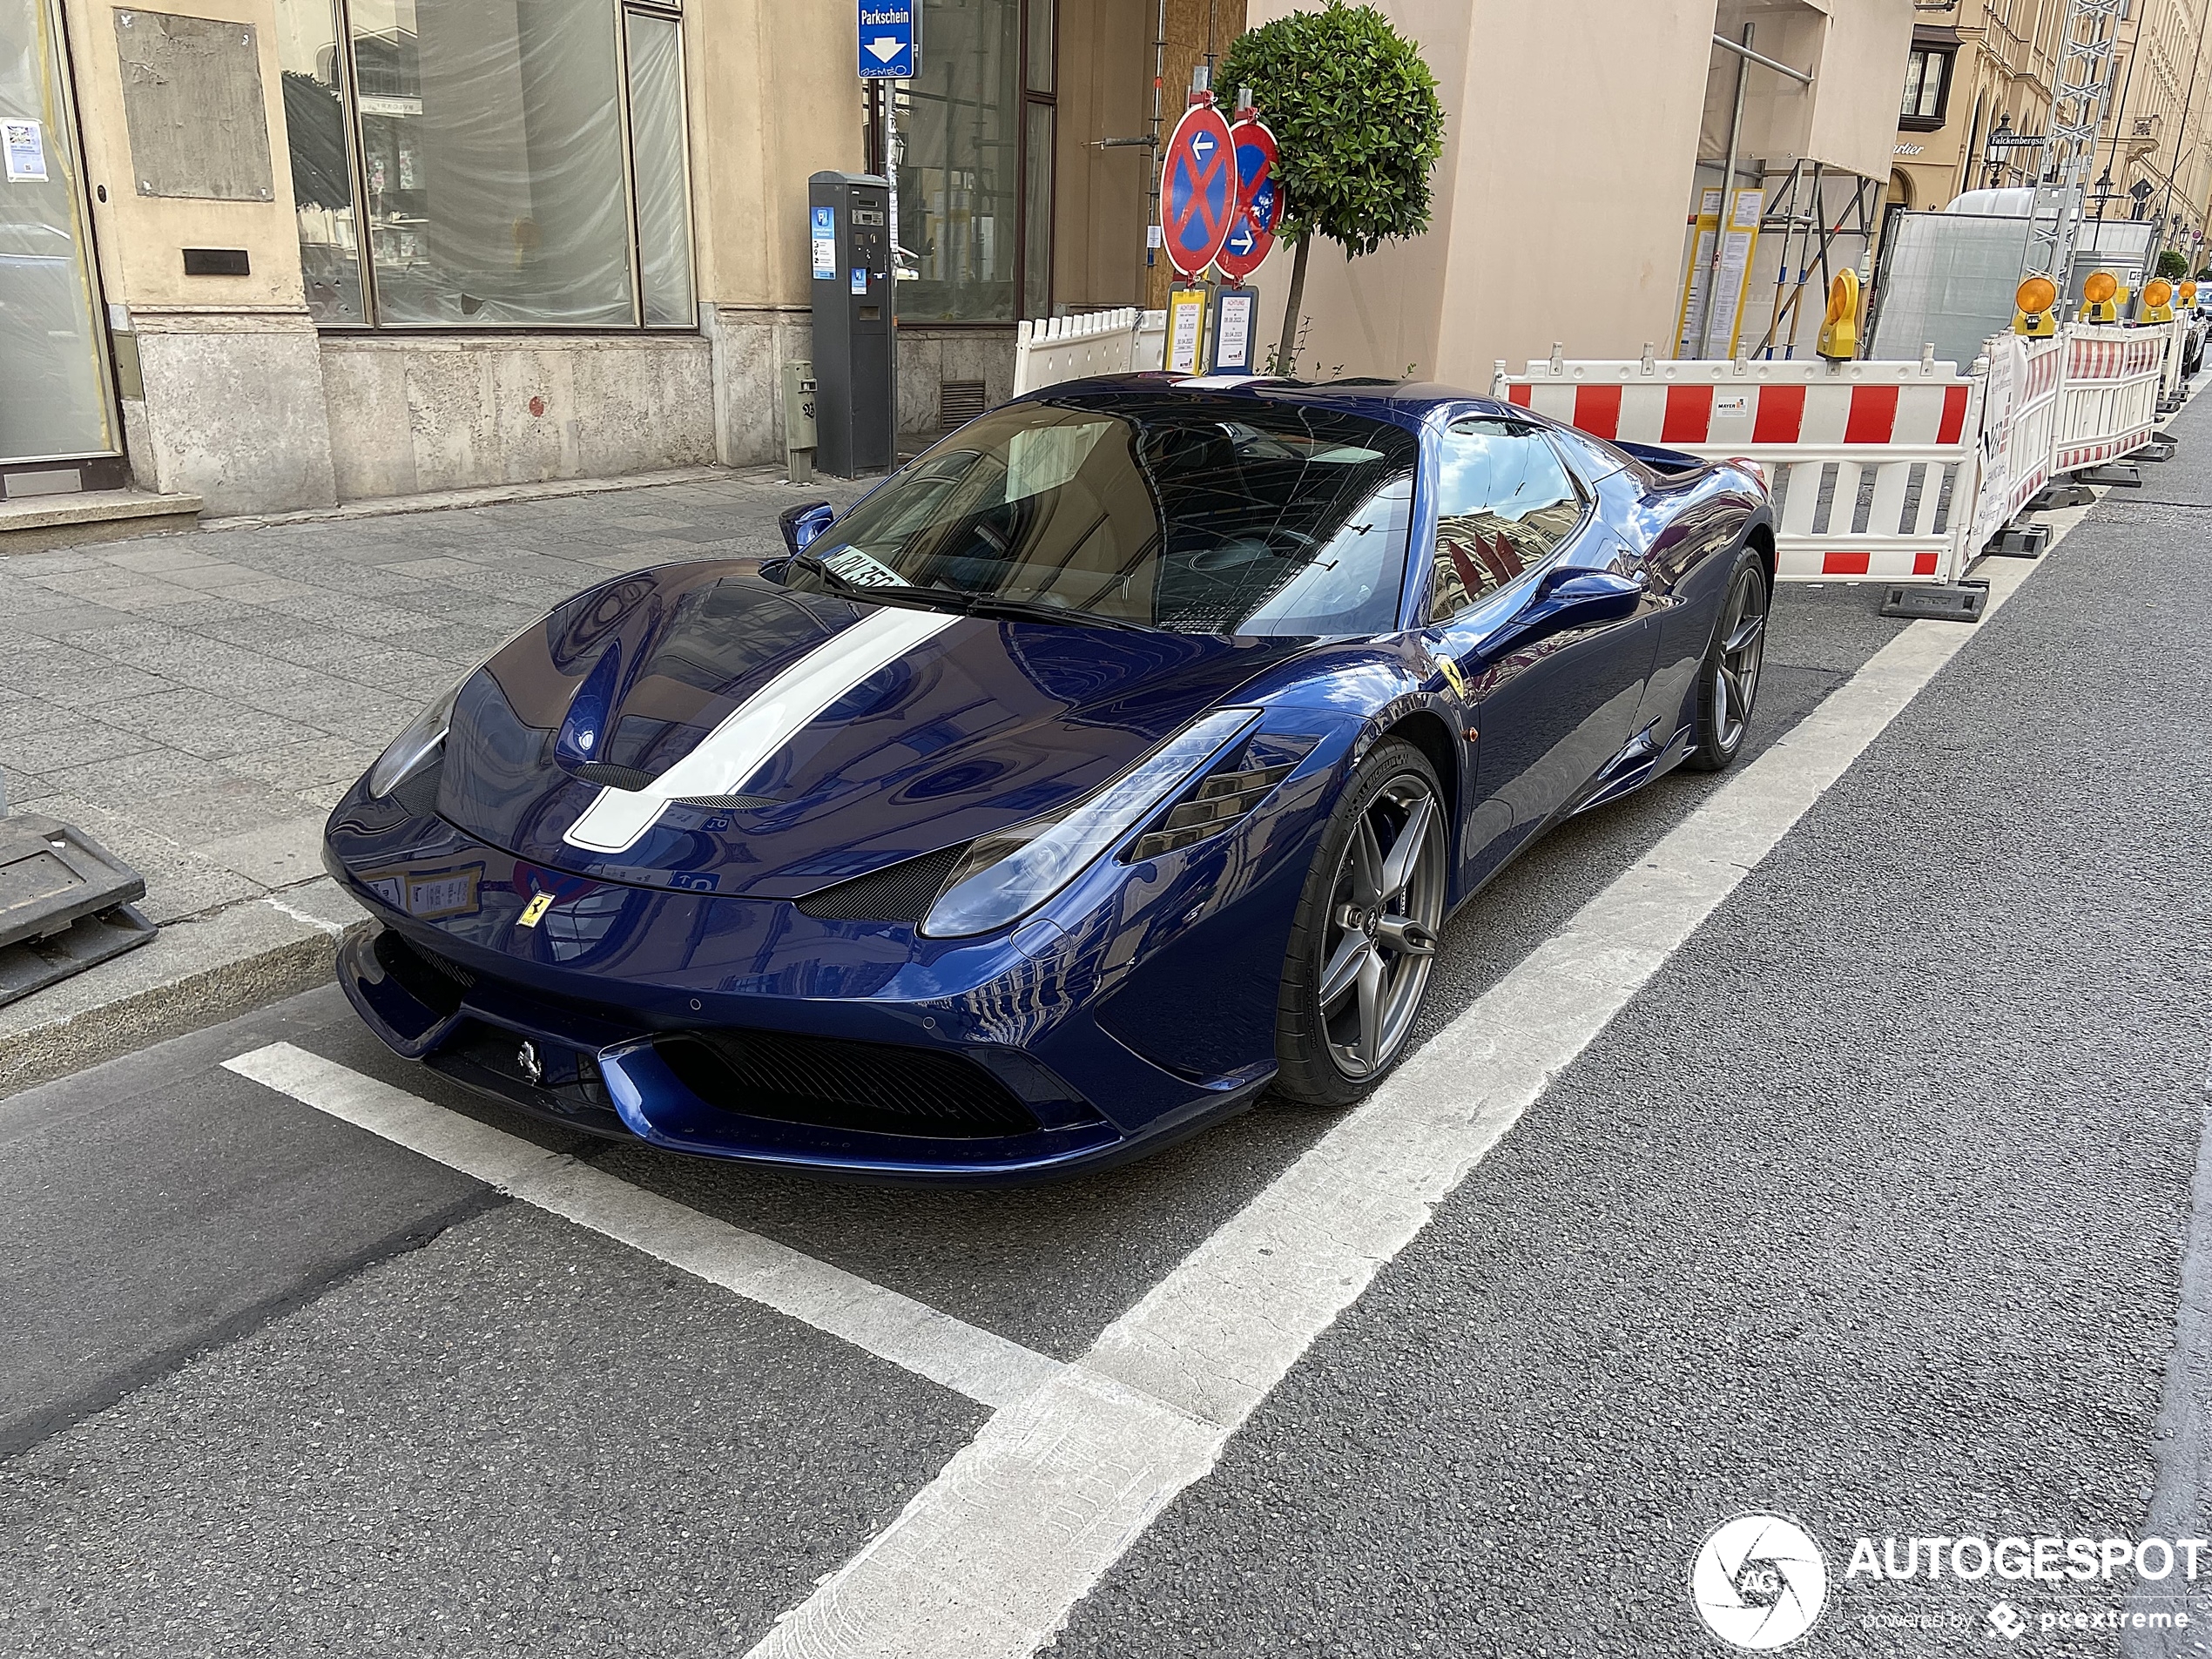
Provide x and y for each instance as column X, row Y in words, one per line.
column 891, row 299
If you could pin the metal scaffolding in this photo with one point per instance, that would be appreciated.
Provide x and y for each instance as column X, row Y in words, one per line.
column 2063, row 163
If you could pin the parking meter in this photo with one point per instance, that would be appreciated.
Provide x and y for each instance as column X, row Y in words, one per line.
column 855, row 351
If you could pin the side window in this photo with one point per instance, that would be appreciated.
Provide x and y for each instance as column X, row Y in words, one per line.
column 1505, row 503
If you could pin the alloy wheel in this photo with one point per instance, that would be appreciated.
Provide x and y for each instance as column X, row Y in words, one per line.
column 1385, row 907
column 1743, row 649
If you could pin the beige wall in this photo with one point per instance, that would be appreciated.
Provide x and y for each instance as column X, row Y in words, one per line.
column 774, row 98
column 1862, row 77
column 142, row 238
column 1560, row 198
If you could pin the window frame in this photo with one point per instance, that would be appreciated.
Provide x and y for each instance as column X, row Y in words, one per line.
column 1510, row 598
column 1941, row 59
column 349, row 78
column 1024, row 97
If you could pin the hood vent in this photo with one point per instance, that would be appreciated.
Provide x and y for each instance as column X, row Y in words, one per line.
column 902, row 893
column 630, row 778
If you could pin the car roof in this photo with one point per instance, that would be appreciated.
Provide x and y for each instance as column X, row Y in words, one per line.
column 1407, row 403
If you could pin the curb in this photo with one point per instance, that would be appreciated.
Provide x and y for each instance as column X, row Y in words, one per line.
column 199, row 973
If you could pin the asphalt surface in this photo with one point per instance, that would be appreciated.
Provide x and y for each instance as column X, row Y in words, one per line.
column 1869, row 1209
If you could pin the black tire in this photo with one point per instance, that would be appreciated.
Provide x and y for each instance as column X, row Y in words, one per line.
column 1727, row 684
column 1346, row 918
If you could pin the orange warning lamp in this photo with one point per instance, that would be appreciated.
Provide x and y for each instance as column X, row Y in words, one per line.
column 2158, row 301
column 1838, row 340
column 2187, row 294
column 2036, row 313
column 2098, row 296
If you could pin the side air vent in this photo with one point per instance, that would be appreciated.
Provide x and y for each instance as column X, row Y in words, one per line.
column 902, row 893
column 629, row 778
column 1221, row 798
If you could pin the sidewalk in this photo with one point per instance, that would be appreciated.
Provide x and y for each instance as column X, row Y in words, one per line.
column 198, row 703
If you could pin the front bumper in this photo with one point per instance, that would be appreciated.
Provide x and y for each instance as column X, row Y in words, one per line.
column 986, row 1066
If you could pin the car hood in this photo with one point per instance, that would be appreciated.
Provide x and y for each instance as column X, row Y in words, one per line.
column 702, row 728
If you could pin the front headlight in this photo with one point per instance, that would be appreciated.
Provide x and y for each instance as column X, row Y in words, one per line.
column 412, row 749
column 1006, row 875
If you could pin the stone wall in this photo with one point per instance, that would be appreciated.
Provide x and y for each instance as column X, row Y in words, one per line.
column 410, row 414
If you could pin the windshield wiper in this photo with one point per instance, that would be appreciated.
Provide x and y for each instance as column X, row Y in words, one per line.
column 989, row 604
column 971, row 605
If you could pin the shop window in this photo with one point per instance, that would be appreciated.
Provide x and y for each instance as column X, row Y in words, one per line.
column 1927, row 89
column 975, row 163
column 487, row 164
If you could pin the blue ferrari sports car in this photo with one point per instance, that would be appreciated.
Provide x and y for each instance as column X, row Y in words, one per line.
column 1117, row 760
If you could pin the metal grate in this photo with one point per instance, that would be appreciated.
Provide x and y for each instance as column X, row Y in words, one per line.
column 959, row 402
column 870, row 1086
column 902, row 893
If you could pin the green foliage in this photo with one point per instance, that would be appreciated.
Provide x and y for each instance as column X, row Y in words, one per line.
column 2173, row 265
column 1355, row 110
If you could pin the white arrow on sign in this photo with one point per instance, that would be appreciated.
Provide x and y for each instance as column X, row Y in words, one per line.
column 1201, row 146
column 885, row 48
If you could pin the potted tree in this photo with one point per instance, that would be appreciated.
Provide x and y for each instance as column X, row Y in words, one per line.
column 1355, row 109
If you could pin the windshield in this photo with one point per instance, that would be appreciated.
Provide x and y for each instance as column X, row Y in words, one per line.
column 1197, row 515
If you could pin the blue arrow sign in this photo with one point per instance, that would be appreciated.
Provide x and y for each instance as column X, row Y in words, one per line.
column 887, row 40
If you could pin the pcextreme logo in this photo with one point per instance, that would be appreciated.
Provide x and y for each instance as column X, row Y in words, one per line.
column 1758, row 1581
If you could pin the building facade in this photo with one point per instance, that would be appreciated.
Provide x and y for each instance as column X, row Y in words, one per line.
column 1974, row 88
column 284, row 253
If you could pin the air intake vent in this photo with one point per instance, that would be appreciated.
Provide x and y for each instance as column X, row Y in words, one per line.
column 902, row 893
column 871, row 1087
column 958, row 403
column 629, row 778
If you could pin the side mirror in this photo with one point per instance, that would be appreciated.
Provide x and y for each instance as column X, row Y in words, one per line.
column 804, row 525
column 1565, row 600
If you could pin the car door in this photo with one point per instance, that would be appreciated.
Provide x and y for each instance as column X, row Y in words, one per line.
column 1539, row 615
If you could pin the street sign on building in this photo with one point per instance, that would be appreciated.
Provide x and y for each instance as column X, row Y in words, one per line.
column 887, row 40
column 1197, row 189
column 1252, row 231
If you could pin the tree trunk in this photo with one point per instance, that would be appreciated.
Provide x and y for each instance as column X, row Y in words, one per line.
column 1283, row 359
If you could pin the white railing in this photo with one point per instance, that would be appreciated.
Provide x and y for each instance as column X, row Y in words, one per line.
column 1053, row 350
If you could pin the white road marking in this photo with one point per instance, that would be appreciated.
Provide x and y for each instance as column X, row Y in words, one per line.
column 752, row 732
column 988, row 1559
column 985, row 1367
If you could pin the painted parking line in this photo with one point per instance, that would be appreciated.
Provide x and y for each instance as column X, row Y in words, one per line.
column 985, row 1367
column 989, row 1559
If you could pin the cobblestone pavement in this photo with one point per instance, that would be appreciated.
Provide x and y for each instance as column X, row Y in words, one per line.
column 198, row 703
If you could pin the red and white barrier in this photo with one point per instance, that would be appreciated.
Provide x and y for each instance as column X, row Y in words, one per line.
column 1874, row 466
column 2177, row 346
column 2108, row 404
column 2019, row 421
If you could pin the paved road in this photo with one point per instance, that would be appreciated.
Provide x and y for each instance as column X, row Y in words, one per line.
column 1872, row 1207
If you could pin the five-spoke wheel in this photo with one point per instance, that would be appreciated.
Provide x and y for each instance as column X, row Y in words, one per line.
column 1730, row 682
column 1366, row 931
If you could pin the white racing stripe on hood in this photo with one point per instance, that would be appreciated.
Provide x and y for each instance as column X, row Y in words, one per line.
column 753, row 730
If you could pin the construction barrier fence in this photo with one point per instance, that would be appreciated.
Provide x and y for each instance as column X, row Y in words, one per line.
column 1893, row 471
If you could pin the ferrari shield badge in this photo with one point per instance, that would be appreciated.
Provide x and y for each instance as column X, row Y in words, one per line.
column 534, row 911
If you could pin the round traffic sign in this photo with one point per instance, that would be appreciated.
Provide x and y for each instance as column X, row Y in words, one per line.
column 1197, row 190
column 1258, row 203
